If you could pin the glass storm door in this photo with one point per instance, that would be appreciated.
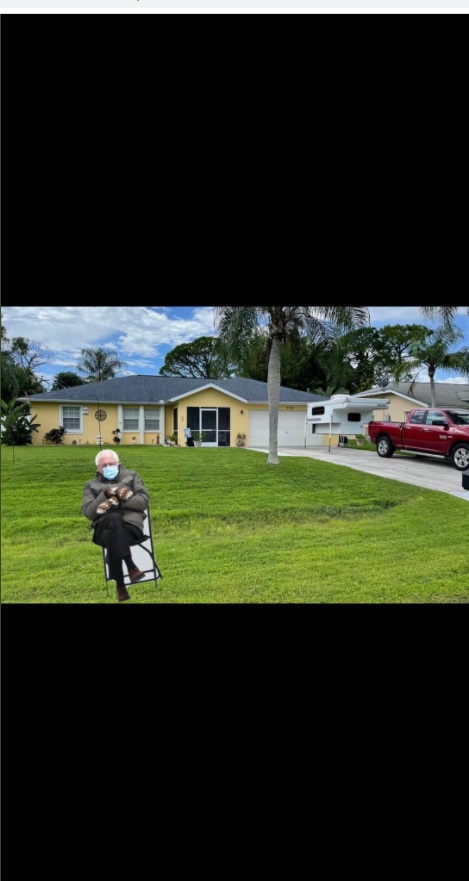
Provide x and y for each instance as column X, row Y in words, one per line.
column 209, row 424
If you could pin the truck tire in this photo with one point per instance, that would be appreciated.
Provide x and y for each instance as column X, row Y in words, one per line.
column 460, row 456
column 384, row 447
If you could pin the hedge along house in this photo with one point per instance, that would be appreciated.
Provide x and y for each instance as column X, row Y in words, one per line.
column 147, row 409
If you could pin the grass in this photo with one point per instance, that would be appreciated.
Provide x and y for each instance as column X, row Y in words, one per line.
column 227, row 528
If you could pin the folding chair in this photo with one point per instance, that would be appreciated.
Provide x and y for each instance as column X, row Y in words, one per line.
column 143, row 557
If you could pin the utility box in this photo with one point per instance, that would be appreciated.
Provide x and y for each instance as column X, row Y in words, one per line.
column 344, row 415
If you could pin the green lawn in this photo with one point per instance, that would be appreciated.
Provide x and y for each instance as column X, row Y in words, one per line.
column 227, row 528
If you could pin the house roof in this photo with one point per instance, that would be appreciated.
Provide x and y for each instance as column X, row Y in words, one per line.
column 153, row 390
column 448, row 394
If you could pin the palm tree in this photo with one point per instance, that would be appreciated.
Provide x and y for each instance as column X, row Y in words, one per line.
column 434, row 354
column 446, row 313
column 238, row 325
column 99, row 365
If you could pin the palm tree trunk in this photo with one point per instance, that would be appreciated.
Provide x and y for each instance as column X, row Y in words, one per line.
column 274, row 398
column 431, row 374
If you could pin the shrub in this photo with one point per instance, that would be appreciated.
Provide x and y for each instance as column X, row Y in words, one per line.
column 55, row 435
column 17, row 424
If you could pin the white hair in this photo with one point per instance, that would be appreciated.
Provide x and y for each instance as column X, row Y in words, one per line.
column 107, row 453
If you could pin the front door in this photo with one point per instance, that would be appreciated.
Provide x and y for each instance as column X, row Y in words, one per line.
column 209, row 425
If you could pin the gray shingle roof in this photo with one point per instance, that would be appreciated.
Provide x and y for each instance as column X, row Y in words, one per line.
column 154, row 389
column 448, row 394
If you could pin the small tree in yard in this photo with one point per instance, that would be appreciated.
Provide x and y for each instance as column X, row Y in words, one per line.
column 17, row 424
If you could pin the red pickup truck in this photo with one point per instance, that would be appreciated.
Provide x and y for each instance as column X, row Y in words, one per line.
column 436, row 432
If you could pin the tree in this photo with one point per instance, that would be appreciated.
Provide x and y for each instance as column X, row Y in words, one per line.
column 99, row 365
column 20, row 358
column 17, row 424
column 253, row 361
column 392, row 349
column 299, row 366
column 348, row 360
column 206, row 357
column 446, row 313
column 29, row 354
column 239, row 324
column 433, row 353
column 66, row 379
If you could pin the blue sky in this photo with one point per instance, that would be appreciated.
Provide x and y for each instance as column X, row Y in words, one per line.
column 142, row 335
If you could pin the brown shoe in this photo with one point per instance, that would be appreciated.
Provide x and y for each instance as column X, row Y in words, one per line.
column 122, row 594
column 136, row 575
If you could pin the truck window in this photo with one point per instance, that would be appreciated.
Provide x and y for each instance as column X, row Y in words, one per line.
column 418, row 418
column 459, row 417
column 436, row 417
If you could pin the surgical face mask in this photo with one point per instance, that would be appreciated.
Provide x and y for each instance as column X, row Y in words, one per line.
column 110, row 472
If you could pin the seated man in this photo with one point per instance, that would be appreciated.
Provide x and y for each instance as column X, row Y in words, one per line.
column 115, row 501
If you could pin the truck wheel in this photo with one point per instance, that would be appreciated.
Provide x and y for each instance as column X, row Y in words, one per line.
column 460, row 457
column 385, row 448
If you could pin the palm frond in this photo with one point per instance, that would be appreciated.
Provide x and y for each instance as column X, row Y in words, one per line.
column 237, row 325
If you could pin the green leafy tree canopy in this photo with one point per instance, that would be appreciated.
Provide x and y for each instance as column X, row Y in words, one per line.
column 206, row 358
column 66, row 379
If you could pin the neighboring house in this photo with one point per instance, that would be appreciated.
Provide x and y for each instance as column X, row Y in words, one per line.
column 146, row 409
column 406, row 396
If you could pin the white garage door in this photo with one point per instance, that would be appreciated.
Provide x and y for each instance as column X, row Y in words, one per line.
column 291, row 430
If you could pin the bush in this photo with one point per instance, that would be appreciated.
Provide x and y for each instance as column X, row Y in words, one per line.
column 55, row 435
column 17, row 424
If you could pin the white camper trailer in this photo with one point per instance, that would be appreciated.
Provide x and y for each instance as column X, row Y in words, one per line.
column 343, row 415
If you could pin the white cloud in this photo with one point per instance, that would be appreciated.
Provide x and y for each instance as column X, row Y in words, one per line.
column 141, row 335
column 132, row 331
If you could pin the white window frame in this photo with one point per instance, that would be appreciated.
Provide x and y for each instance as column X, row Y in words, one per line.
column 62, row 417
column 153, row 410
column 130, row 430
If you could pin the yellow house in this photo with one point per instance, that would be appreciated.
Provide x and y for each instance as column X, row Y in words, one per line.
column 406, row 396
column 150, row 409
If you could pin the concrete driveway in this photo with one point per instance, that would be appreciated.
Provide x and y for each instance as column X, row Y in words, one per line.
column 425, row 471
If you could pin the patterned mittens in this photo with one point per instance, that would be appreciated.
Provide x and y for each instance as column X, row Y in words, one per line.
column 122, row 492
column 107, row 505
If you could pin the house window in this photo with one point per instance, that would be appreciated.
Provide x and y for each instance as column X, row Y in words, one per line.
column 131, row 420
column 71, row 419
column 152, row 419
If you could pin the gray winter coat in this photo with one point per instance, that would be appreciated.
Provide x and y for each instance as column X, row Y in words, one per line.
column 132, row 510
